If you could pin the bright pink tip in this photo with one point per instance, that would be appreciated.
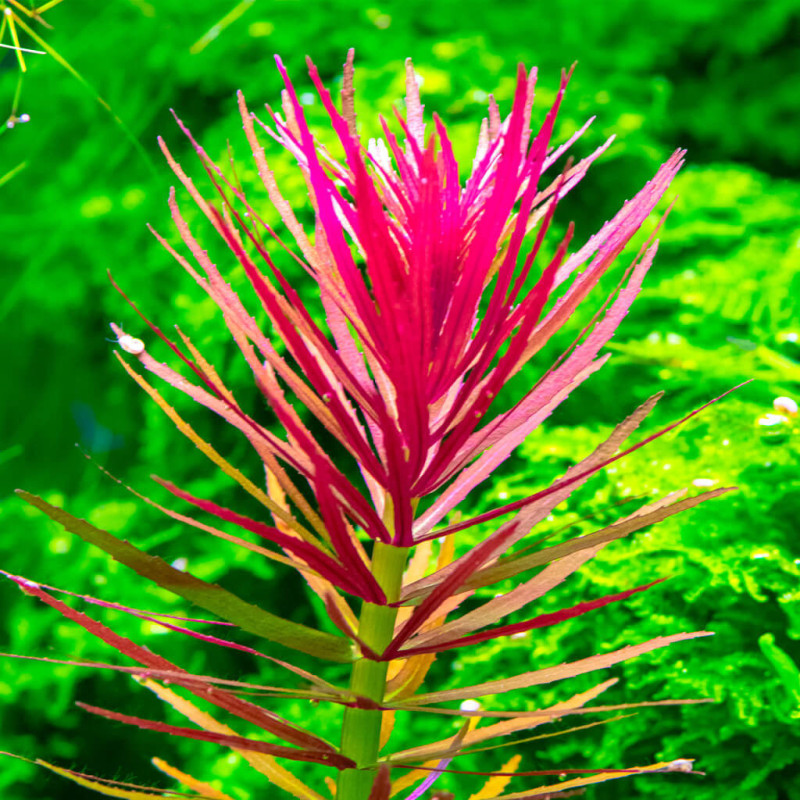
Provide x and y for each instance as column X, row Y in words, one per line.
column 434, row 291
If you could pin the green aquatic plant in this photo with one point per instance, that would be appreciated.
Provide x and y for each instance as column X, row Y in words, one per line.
column 786, row 708
column 433, row 292
column 16, row 18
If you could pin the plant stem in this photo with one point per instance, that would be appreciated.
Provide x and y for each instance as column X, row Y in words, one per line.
column 361, row 728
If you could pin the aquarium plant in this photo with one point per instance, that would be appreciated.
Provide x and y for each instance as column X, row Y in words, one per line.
column 400, row 372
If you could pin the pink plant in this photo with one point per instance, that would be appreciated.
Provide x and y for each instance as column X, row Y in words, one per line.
column 434, row 295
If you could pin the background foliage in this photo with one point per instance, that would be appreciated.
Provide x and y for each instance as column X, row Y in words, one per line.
column 720, row 307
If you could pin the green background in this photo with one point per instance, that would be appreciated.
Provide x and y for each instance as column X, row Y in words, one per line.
column 719, row 307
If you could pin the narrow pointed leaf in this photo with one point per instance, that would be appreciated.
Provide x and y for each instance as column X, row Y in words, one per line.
column 198, row 685
column 506, row 727
column 542, row 621
column 206, row 595
column 551, row 674
column 513, row 566
column 203, row 788
column 227, row 740
column 557, row 788
column 450, row 586
column 207, row 450
column 191, row 680
column 497, row 608
column 124, row 791
column 495, row 785
column 261, row 762
column 548, row 713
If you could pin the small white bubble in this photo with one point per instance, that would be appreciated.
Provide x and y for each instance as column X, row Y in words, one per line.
column 771, row 420
column 785, row 405
column 24, row 117
column 702, row 482
column 470, row 705
column 180, row 564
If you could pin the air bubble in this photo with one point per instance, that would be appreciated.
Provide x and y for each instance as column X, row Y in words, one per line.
column 785, row 405
column 773, row 428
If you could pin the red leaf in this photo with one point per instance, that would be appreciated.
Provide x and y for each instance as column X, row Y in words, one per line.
column 236, row 742
column 542, row 621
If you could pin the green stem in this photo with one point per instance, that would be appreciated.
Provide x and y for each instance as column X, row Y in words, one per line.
column 361, row 728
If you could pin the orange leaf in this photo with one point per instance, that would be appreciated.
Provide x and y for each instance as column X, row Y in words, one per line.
column 205, row 789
